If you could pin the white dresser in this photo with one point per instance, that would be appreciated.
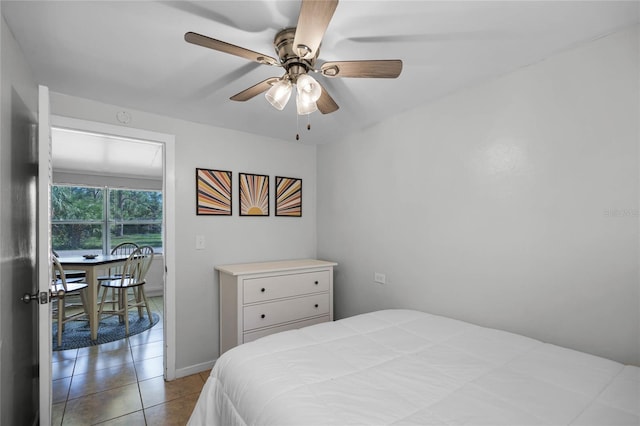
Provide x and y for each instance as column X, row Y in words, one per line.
column 258, row 299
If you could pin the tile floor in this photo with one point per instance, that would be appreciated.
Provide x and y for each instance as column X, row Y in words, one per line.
column 121, row 383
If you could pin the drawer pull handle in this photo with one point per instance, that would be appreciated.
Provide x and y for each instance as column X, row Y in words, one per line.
column 263, row 289
column 316, row 283
column 316, row 305
column 262, row 316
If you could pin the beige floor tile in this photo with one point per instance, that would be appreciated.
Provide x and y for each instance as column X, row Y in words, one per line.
column 85, row 364
column 157, row 391
column 176, row 412
column 60, row 390
column 102, row 406
column 101, row 384
column 150, row 350
column 150, row 336
column 150, row 368
column 101, row 380
column 157, row 301
column 62, row 369
column 57, row 356
column 133, row 419
column 158, row 309
column 57, row 410
column 105, row 347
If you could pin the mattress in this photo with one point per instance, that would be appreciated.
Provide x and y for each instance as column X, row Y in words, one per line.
column 404, row 367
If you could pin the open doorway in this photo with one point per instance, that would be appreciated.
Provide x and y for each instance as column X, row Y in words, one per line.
column 114, row 165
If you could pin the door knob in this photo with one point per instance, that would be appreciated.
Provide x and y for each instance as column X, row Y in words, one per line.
column 27, row 297
column 41, row 298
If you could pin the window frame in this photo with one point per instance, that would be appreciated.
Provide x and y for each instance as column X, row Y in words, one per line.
column 106, row 220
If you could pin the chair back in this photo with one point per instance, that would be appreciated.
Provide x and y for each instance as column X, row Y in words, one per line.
column 124, row 248
column 57, row 274
column 137, row 265
column 146, row 258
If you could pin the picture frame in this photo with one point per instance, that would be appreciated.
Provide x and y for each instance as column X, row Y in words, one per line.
column 253, row 191
column 213, row 192
column 288, row 196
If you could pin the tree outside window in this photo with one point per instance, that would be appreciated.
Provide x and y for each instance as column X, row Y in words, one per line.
column 94, row 220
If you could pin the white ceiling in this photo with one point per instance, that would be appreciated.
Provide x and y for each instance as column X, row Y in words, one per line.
column 133, row 54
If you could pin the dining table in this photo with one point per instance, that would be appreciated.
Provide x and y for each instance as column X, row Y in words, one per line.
column 92, row 266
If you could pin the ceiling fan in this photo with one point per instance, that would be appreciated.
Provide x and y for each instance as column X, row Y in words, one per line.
column 297, row 50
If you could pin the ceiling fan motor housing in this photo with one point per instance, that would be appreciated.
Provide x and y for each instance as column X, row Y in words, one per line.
column 289, row 57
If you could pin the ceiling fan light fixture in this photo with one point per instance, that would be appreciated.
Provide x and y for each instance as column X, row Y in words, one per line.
column 308, row 88
column 278, row 95
column 305, row 106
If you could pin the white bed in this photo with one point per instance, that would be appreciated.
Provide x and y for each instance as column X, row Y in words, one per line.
column 408, row 367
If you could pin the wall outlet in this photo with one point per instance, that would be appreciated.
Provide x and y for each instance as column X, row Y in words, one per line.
column 379, row 278
column 199, row 242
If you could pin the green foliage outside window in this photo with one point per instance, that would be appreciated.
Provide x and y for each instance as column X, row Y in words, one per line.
column 79, row 221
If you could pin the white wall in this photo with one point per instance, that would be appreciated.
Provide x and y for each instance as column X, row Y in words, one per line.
column 500, row 204
column 230, row 239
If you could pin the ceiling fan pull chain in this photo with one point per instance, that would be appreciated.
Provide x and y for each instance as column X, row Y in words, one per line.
column 297, row 128
column 308, row 121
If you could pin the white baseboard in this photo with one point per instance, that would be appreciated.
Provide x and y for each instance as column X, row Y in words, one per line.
column 193, row 369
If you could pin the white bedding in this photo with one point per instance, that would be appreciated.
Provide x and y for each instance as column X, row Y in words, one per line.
column 408, row 367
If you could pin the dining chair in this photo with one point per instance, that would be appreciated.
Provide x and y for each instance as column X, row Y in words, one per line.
column 115, row 272
column 122, row 248
column 72, row 276
column 129, row 287
column 61, row 289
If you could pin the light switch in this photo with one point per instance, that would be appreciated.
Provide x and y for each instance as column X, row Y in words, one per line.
column 199, row 242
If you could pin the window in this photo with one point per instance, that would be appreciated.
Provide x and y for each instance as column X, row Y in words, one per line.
column 94, row 220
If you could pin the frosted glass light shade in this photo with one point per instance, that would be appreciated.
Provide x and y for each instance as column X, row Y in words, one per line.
column 308, row 88
column 278, row 95
column 304, row 107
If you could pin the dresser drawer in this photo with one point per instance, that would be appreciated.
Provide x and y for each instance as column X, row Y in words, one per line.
column 272, row 313
column 253, row 335
column 277, row 287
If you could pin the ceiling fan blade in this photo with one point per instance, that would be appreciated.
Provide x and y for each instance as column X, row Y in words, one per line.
column 254, row 90
column 389, row 68
column 313, row 21
column 232, row 49
column 326, row 104
column 433, row 37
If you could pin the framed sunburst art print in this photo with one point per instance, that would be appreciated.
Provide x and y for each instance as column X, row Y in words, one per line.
column 254, row 194
column 213, row 192
column 288, row 196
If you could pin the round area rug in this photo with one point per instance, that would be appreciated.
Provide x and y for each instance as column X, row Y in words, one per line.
column 77, row 334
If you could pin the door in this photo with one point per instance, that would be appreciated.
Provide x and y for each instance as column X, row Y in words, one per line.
column 18, row 253
column 44, row 253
